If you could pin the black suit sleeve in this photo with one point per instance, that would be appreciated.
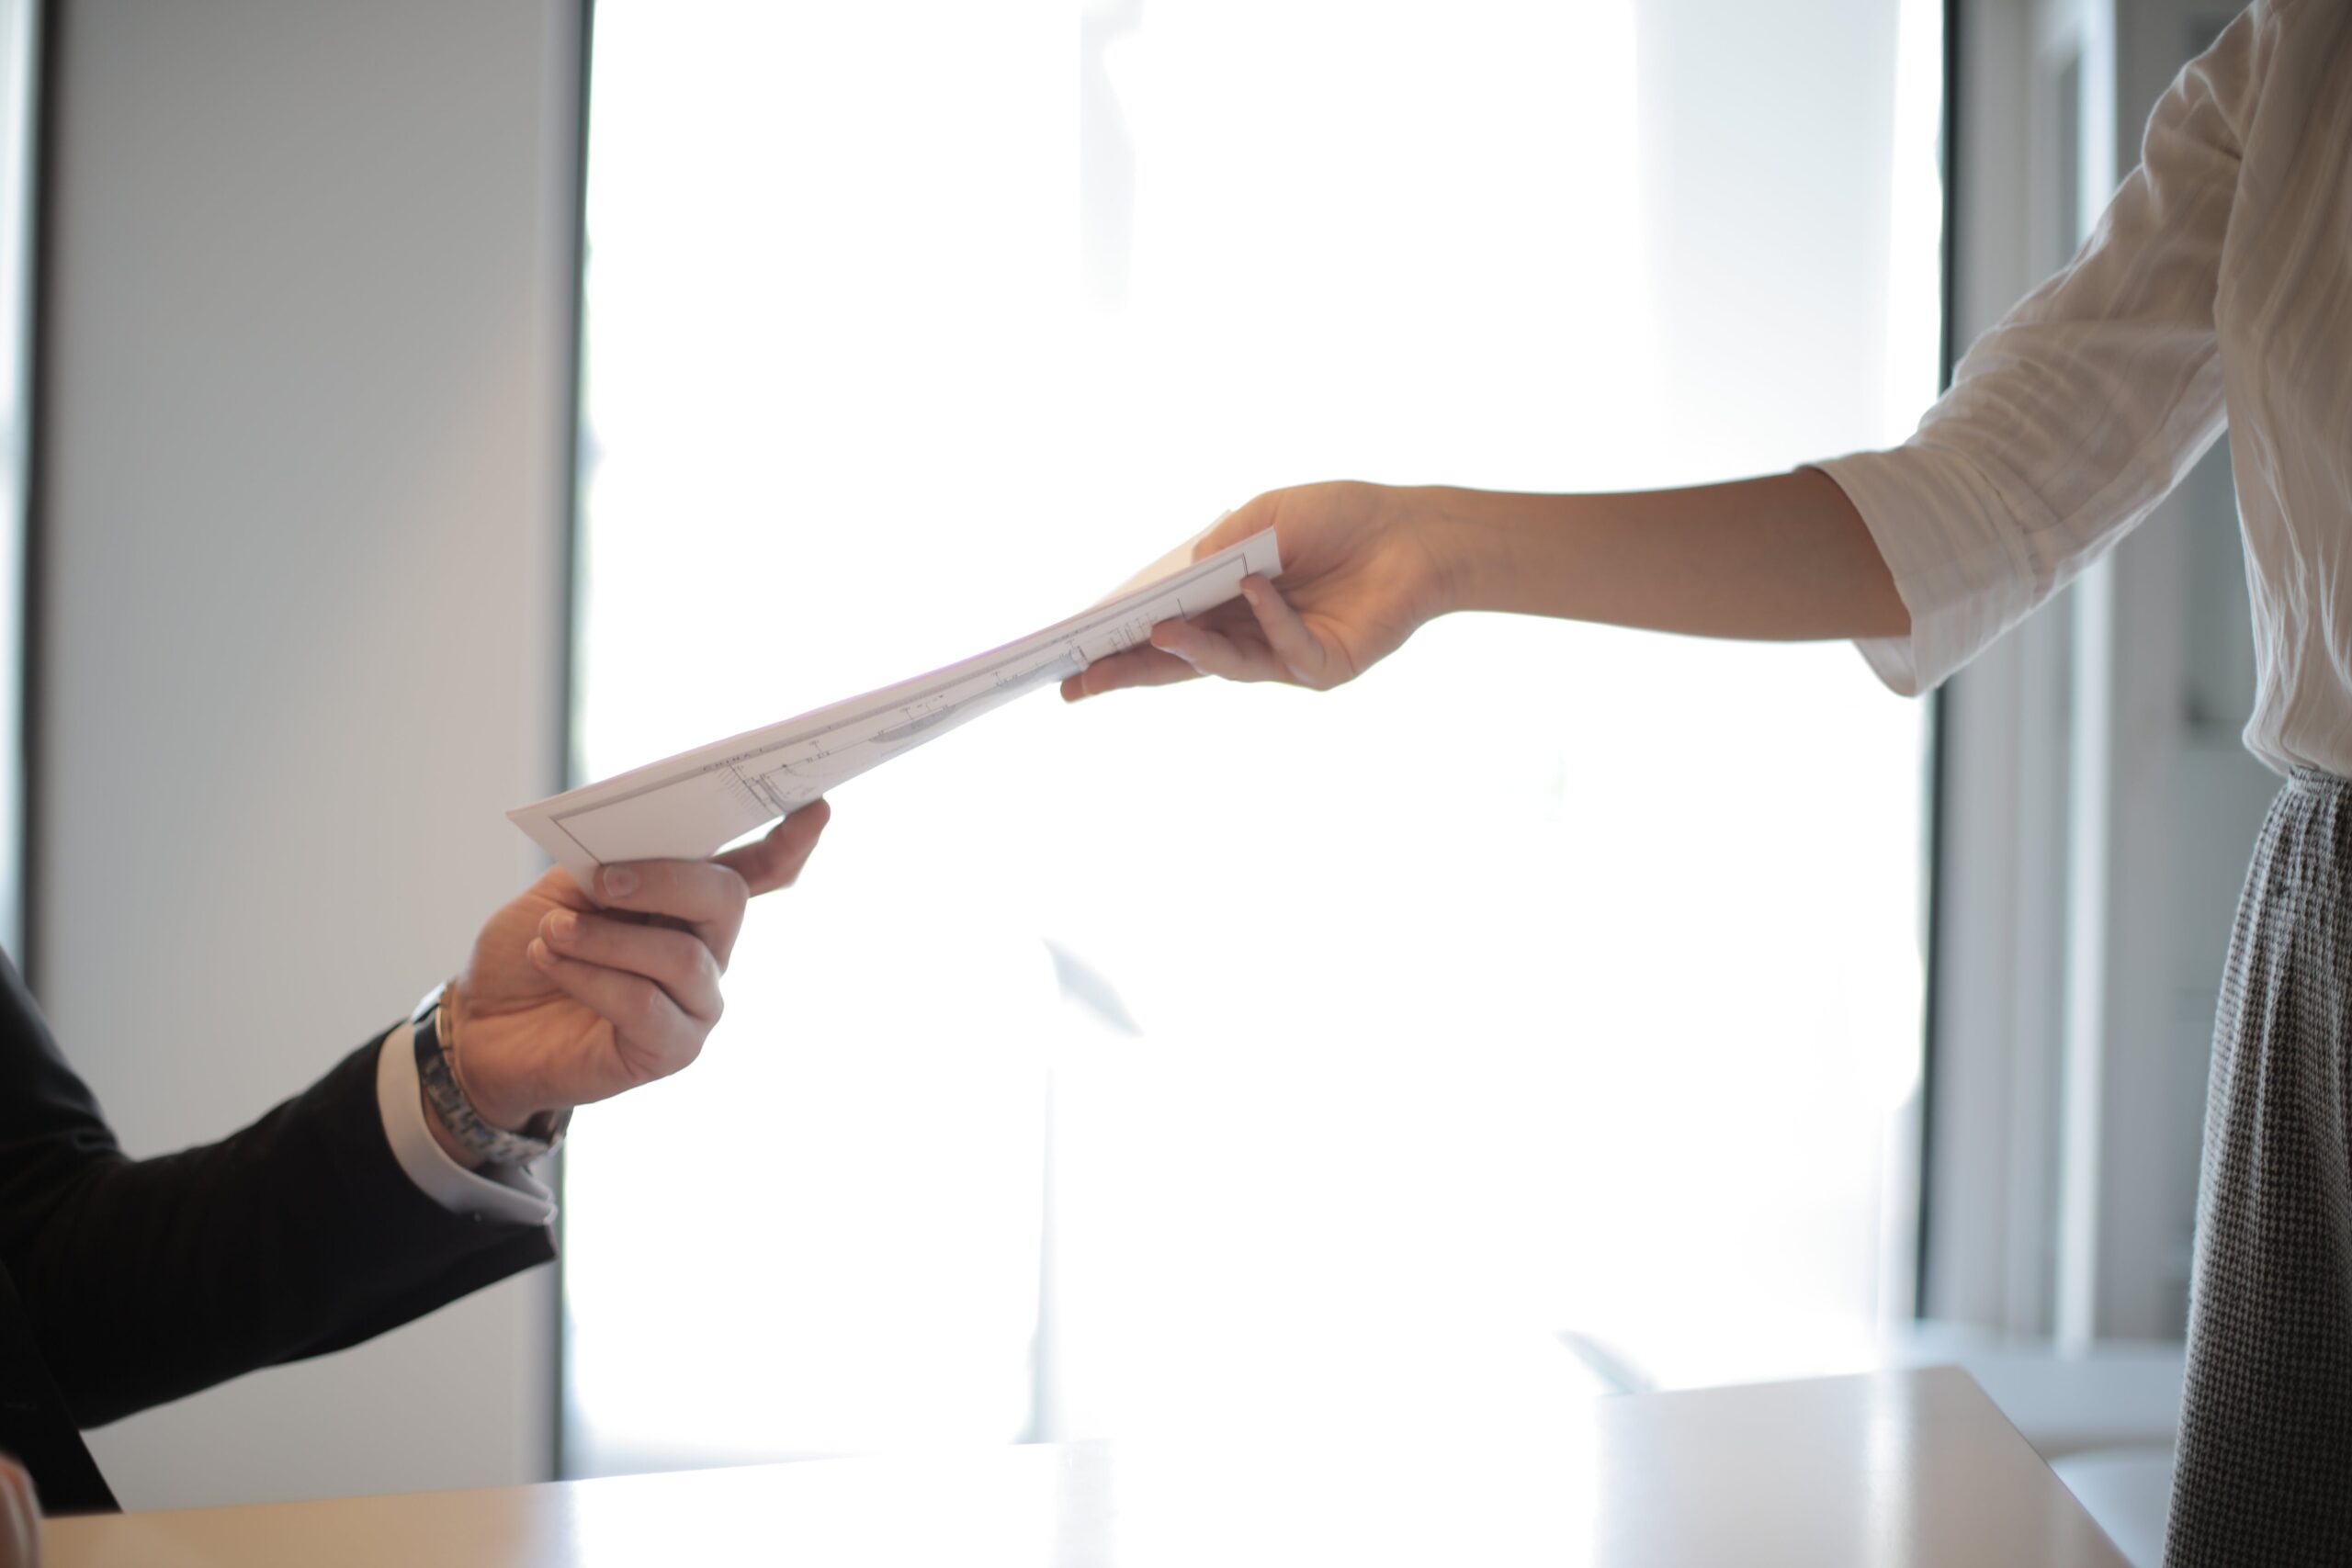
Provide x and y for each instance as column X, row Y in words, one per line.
column 147, row 1280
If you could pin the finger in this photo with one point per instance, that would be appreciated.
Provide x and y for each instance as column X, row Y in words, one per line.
column 703, row 896
column 1300, row 651
column 1233, row 658
column 20, row 1526
column 776, row 860
column 1135, row 667
column 1149, row 665
column 674, row 960
column 640, row 1012
column 1253, row 516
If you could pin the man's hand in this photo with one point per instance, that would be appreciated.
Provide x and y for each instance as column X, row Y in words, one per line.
column 1360, row 575
column 564, row 1001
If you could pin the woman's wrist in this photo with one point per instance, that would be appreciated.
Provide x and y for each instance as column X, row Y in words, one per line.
column 1472, row 540
column 1415, row 513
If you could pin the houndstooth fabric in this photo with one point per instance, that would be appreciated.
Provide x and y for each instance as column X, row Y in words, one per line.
column 2265, row 1471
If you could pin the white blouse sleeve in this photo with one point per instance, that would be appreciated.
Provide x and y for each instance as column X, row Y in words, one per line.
column 2070, row 420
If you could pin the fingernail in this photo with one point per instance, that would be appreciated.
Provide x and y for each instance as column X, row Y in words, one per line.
column 563, row 925
column 619, row 881
column 538, row 952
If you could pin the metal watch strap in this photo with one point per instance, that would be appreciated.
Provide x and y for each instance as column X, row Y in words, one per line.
column 438, row 1079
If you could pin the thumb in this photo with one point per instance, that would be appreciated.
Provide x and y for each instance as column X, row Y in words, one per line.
column 1253, row 516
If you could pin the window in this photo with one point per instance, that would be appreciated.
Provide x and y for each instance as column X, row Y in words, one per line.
column 1155, row 1064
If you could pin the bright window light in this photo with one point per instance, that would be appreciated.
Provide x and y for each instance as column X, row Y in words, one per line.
column 1169, row 1063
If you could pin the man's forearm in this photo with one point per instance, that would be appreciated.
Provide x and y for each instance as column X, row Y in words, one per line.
column 1783, row 558
column 301, row 1233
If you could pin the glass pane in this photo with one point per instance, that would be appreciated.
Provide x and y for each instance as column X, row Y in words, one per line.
column 1163, row 1063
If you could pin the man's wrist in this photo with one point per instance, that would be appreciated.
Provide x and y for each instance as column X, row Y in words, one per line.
column 443, row 1137
column 459, row 1118
column 451, row 1144
column 491, row 1099
column 507, row 1194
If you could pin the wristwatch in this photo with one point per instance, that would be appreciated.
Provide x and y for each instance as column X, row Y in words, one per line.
column 436, row 1073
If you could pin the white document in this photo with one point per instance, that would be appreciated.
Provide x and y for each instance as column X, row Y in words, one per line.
column 689, row 806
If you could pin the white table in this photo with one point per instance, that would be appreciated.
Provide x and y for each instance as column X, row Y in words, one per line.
column 1893, row 1470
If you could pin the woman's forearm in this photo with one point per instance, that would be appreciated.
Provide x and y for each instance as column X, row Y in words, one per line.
column 1781, row 559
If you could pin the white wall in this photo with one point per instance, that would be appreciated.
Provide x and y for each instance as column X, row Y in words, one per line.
column 306, row 433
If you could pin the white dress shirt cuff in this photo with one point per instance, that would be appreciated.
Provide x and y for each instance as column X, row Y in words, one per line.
column 1960, row 560
column 509, row 1194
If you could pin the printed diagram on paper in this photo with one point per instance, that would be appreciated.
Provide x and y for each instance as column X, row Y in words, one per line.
column 688, row 806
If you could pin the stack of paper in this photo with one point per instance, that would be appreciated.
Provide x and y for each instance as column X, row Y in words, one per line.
column 686, row 806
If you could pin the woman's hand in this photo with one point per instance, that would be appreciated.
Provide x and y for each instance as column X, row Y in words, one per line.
column 1785, row 557
column 566, row 1001
column 1360, row 575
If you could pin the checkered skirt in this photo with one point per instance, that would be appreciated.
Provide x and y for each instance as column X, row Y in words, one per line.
column 2265, row 1471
